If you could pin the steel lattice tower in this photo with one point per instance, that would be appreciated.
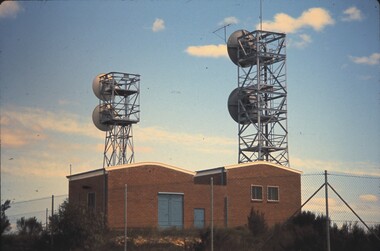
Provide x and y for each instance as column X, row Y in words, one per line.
column 259, row 104
column 118, row 110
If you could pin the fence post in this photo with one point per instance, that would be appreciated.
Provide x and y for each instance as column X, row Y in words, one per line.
column 46, row 219
column 125, row 217
column 51, row 225
column 212, row 213
column 327, row 214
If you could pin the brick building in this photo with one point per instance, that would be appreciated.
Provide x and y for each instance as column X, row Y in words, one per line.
column 159, row 195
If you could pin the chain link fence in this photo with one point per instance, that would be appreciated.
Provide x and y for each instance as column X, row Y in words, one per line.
column 40, row 208
column 347, row 195
column 361, row 195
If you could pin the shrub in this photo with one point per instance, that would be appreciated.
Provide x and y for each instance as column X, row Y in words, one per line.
column 5, row 225
column 75, row 226
column 256, row 223
column 29, row 227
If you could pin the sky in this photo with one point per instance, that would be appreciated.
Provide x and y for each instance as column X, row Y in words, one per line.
column 50, row 51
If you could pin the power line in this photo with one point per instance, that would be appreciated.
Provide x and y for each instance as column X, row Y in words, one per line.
column 37, row 199
column 355, row 176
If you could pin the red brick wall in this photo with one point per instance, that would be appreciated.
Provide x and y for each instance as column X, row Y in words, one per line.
column 200, row 197
column 78, row 190
column 144, row 182
column 143, row 185
column 239, row 182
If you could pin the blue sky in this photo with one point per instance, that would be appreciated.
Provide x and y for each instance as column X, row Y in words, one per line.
column 51, row 51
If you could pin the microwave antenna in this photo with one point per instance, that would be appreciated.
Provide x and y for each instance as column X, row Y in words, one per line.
column 118, row 110
column 259, row 102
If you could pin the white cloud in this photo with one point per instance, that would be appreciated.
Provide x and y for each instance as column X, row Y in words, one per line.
column 352, row 14
column 42, row 143
column 303, row 41
column 354, row 168
column 213, row 51
column 158, row 25
column 320, row 202
column 368, row 198
column 149, row 134
column 318, row 205
column 373, row 59
column 52, row 158
column 22, row 126
column 179, row 148
column 316, row 18
column 229, row 20
column 9, row 9
column 365, row 77
column 18, row 137
column 339, row 212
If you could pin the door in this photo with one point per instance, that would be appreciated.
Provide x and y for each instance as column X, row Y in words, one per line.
column 199, row 217
column 170, row 210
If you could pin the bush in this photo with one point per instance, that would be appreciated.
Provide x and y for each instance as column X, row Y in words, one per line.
column 75, row 226
column 307, row 231
column 29, row 227
column 5, row 225
column 256, row 223
column 226, row 239
column 302, row 232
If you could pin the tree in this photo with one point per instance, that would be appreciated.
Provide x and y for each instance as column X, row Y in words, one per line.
column 5, row 225
column 256, row 222
column 76, row 226
column 30, row 226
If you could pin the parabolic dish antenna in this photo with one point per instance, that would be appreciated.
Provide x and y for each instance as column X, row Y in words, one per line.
column 102, row 88
column 249, row 100
column 233, row 46
column 100, row 115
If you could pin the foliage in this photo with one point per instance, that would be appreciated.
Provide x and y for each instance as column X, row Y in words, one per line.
column 256, row 223
column 29, row 226
column 5, row 225
column 146, row 239
column 307, row 231
column 352, row 237
column 76, row 226
column 248, row 237
column 226, row 239
column 29, row 236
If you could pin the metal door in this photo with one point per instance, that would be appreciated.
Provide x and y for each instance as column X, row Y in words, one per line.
column 199, row 217
column 170, row 210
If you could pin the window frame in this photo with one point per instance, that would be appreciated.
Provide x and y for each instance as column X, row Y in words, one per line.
column 255, row 199
column 269, row 199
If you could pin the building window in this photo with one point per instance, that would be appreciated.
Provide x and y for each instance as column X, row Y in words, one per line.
column 91, row 200
column 256, row 193
column 273, row 193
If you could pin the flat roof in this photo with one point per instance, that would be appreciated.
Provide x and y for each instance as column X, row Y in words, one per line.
column 211, row 171
column 87, row 174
